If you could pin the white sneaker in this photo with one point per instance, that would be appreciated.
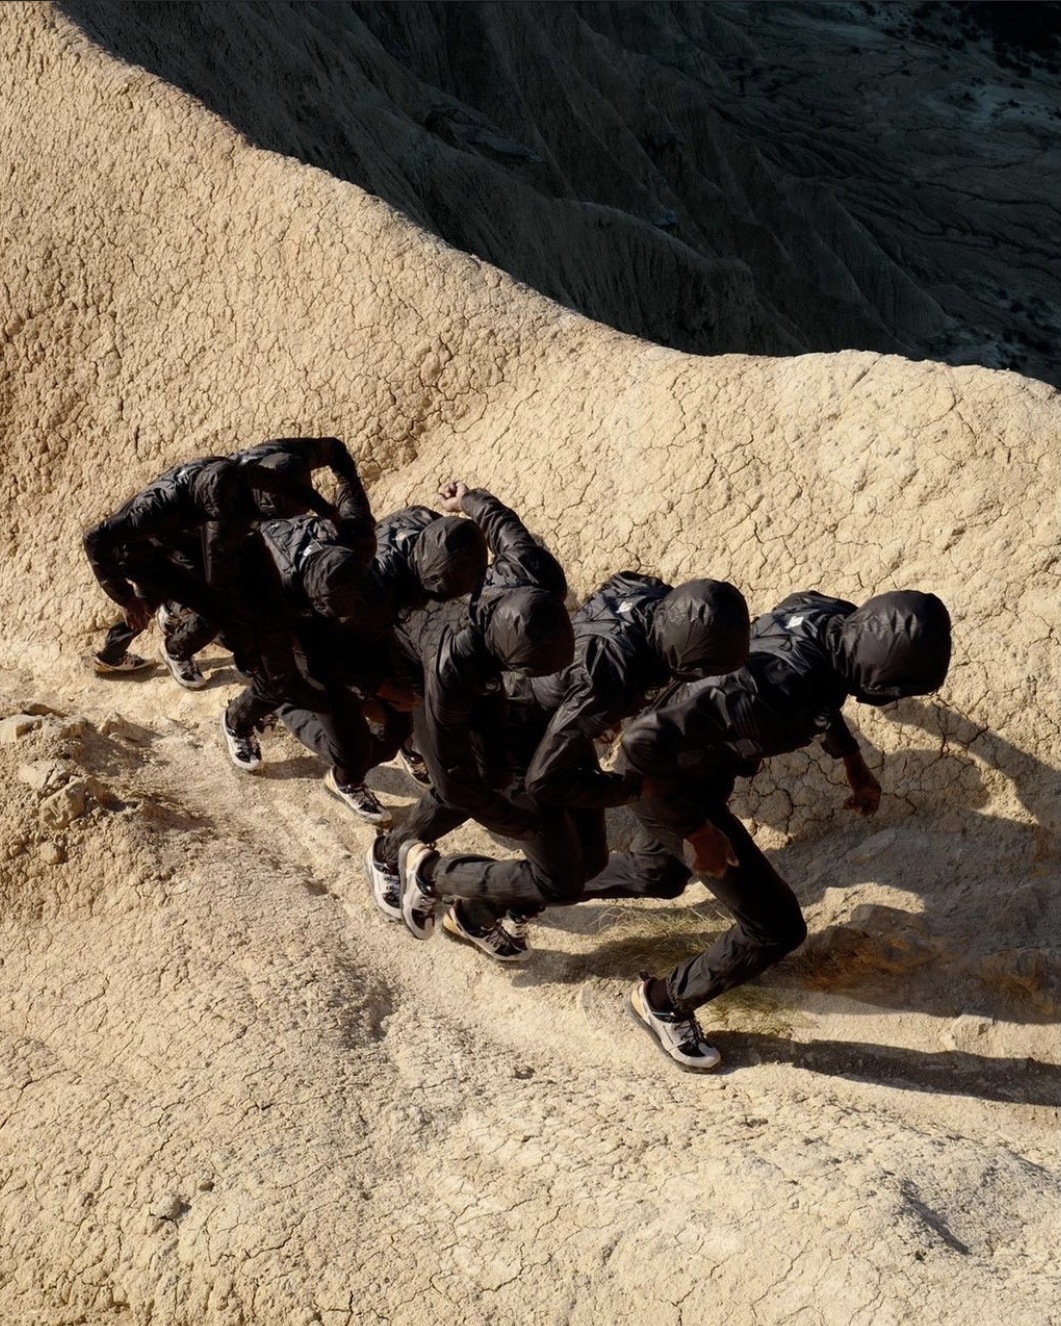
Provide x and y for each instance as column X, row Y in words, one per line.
column 184, row 671
column 419, row 900
column 385, row 884
column 414, row 765
column 496, row 942
column 244, row 752
column 127, row 663
column 677, row 1034
column 360, row 800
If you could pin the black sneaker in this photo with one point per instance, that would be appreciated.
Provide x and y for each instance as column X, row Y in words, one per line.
column 360, row 800
column 676, row 1034
column 127, row 663
column 385, row 884
column 518, row 925
column 413, row 764
column 243, row 751
column 495, row 942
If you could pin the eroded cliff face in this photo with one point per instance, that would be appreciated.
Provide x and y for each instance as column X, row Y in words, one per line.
column 229, row 1091
column 763, row 179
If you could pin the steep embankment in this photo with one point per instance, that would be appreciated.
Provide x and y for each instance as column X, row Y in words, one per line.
column 764, row 179
column 229, row 1091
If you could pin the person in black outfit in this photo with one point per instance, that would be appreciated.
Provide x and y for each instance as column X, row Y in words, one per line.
column 180, row 541
column 330, row 642
column 633, row 636
column 516, row 623
column 807, row 657
column 173, row 549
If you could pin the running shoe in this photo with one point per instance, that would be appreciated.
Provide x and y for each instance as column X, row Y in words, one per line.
column 243, row 751
column 496, row 942
column 384, row 883
column 419, row 900
column 361, row 801
column 677, row 1035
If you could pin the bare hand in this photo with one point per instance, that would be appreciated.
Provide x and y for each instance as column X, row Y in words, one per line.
column 451, row 495
column 713, row 852
column 865, row 790
column 138, row 614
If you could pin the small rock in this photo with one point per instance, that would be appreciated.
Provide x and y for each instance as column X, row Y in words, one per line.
column 169, row 1206
column 205, row 1185
column 43, row 774
column 52, row 854
column 16, row 727
column 966, row 1031
column 122, row 730
column 63, row 807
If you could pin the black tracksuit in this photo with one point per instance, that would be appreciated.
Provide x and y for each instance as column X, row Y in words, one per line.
column 339, row 631
column 188, row 537
column 807, row 657
column 630, row 637
column 462, row 650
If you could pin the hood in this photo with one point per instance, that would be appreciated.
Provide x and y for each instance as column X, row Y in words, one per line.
column 449, row 557
column 335, row 583
column 526, row 630
column 701, row 629
column 895, row 645
column 221, row 490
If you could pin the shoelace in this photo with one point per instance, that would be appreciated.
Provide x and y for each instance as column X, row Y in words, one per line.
column 692, row 1036
column 498, row 938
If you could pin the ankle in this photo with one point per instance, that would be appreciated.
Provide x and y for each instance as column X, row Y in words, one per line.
column 659, row 1000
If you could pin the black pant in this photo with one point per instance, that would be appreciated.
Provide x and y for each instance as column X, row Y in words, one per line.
column 164, row 575
column 767, row 915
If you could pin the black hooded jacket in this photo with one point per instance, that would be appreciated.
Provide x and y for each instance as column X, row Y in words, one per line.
column 202, row 509
column 632, row 637
column 424, row 557
column 517, row 620
column 294, row 460
column 807, row 657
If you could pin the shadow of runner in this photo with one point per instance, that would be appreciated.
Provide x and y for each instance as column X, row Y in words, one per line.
column 953, row 1072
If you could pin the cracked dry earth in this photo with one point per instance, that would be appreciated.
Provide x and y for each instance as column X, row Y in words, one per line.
column 230, row 1092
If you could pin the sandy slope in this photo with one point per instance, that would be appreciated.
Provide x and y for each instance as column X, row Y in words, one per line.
column 229, row 1091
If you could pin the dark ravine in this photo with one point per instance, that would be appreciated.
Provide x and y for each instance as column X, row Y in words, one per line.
column 754, row 178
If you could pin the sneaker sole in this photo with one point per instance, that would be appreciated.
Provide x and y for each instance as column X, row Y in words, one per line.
column 632, row 1013
column 392, row 914
column 105, row 669
column 403, row 856
column 453, row 930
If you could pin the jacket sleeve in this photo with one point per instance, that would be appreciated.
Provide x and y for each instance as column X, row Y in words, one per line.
column 838, row 740
column 310, row 453
column 656, row 743
column 150, row 514
column 451, row 759
column 101, row 544
column 357, row 526
column 518, row 557
column 565, row 770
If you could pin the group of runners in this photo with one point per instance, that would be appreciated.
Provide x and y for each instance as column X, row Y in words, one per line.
column 442, row 638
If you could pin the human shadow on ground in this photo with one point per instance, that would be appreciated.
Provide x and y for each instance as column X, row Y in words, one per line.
column 953, row 1072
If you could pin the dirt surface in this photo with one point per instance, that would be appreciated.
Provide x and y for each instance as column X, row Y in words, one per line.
column 231, row 1093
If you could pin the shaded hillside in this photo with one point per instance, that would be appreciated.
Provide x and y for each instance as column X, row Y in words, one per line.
column 757, row 178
